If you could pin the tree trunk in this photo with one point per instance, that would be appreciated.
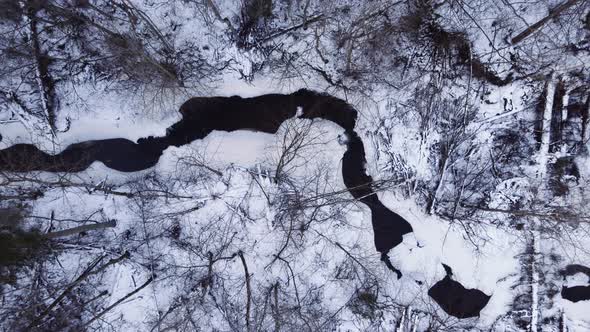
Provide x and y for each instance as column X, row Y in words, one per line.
column 276, row 314
column 564, row 117
column 535, row 248
column 536, row 223
column 586, row 126
column 248, row 290
column 546, row 128
column 41, row 64
column 439, row 185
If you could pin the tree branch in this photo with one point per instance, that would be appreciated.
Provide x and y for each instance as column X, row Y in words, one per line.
column 248, row 289
column 552, row 14
column 102, row 313
column 83, row 276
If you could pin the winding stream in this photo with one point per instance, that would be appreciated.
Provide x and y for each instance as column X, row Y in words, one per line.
column 201, row 116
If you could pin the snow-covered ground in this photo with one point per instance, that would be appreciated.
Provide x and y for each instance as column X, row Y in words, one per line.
column 211, row 209
column 490, row 267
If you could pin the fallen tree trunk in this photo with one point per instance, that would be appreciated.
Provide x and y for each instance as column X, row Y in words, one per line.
column 121, row 300
column 552, row 14
column 80, row 229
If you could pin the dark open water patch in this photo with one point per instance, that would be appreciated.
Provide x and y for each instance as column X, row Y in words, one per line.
column 576, row 293
column 201, row 116
column 455, row 299
column 116, row 153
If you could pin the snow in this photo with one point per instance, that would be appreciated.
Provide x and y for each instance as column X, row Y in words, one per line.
column 238, row 207
column 574, row 252
column 96, row 113
column 243, row 148
column 490, row 268
column 236, row 152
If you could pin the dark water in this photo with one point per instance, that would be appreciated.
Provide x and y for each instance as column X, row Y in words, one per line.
column 200, row 116
column 457, row 300
column 576, row 293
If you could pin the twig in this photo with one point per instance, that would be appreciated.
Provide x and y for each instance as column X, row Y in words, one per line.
column 295, row 27
column 248, row 290
column 80, row 229
column 83, row 276
column 102, row 313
